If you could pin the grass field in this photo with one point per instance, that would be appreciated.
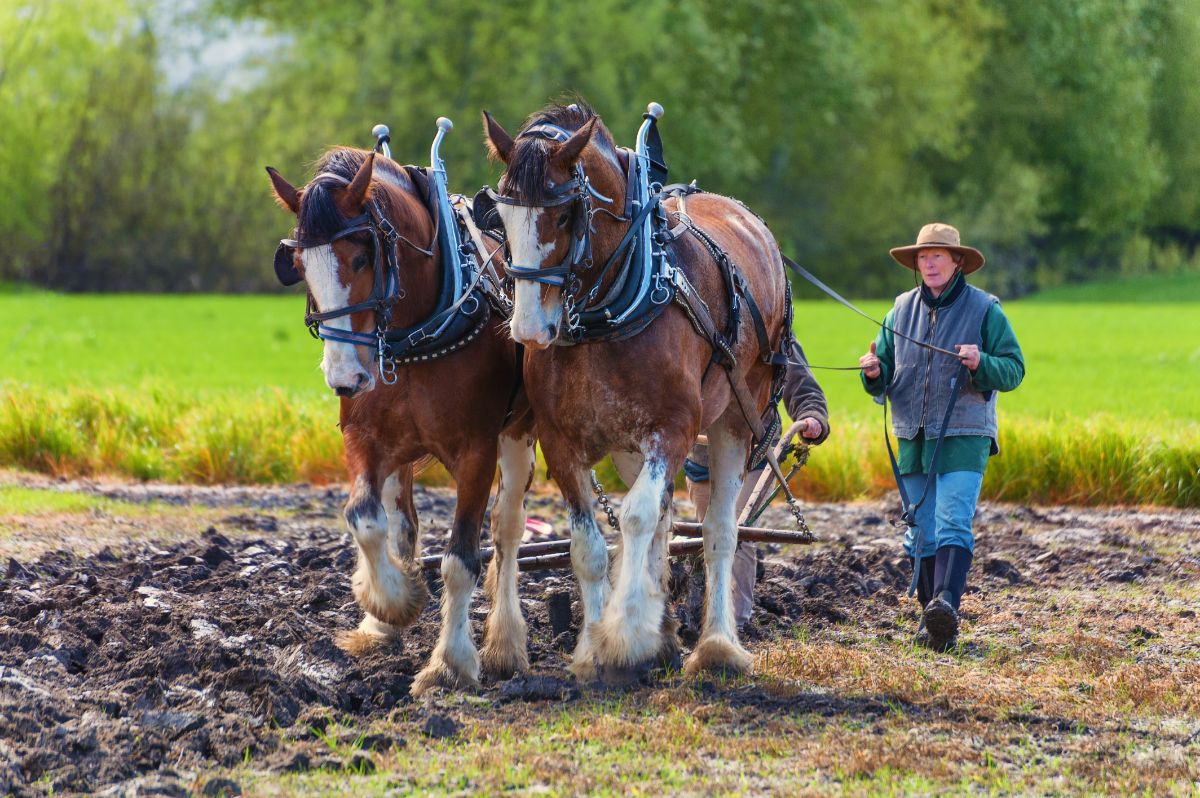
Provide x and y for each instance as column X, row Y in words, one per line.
column 220, row 389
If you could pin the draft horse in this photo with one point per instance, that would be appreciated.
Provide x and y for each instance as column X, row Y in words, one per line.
column 644, row 387
column 414, row 381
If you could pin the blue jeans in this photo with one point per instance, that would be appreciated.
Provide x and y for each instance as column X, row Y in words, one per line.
column 946, row 515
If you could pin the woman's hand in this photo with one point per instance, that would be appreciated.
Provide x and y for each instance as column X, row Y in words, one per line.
column 869, row 364
column 969, row 355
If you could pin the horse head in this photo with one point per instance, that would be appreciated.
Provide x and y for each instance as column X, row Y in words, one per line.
column 344, row 247
column 561, row 169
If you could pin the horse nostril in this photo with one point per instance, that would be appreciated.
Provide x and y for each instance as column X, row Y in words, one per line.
column 342, row 390
column 362, row 379
column 551, row 331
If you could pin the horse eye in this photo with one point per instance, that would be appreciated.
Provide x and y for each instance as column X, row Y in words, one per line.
column 564, row 219
column 359, row 263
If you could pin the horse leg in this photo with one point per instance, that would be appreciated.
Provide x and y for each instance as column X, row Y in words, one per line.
column 455, row 662
column 396, row 498
column 629, row 634
column 718, row 648
column 504, row 651
column 589, row 561
column 629, row 465
column 391, row 589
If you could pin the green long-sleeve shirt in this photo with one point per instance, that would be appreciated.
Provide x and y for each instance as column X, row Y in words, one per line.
column 1001, row 368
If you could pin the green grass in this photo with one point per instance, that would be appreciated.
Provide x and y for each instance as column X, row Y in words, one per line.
column 1179, row 287
column 191, row 344
column 17, row 500
column 221, row 389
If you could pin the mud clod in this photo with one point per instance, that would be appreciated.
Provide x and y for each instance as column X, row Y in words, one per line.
column 120, row 668
column 440, row 727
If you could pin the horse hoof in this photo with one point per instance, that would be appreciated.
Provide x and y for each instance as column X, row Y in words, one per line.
column 436, row 675
column 357, row 643
column 371, row 635
column 503, row 663
column 583, row 669
column 718, row 655
column 621, row 676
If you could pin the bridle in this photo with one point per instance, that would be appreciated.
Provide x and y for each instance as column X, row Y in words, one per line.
column 386, row 289
column 579, row 190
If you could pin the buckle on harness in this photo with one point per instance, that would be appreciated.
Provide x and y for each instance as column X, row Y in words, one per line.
column 388, row 230
column 387, row 364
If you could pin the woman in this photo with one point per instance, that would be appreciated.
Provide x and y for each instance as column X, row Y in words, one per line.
column 946, row 312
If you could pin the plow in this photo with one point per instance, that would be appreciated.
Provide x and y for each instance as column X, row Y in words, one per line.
column 552, row 554
column 549, row 555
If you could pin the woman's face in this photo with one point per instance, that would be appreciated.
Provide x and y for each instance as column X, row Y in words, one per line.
column 937, row 268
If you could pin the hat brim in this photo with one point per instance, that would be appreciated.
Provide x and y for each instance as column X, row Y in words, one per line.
column 907, row 256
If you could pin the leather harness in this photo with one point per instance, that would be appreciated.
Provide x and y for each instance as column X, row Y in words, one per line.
column 451, row 325
column 593, row 318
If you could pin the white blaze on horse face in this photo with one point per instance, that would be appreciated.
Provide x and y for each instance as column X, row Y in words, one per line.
column 340, row 363
column 535, row 318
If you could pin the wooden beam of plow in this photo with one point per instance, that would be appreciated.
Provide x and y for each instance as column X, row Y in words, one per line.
column 552, row 554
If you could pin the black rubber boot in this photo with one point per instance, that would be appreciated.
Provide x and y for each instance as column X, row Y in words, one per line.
column 951, row 564
column 924, row 594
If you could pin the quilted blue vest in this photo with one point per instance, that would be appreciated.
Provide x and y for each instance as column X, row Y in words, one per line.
column 920, row 386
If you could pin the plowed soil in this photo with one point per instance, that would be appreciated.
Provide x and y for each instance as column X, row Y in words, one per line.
column 161, row 659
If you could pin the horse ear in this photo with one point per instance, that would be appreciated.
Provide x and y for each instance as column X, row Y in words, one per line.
column 356, row 192
column 500, row 144
column 566, row 155
column 285, row 193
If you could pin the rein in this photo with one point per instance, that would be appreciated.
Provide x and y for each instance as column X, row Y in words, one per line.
column 458, row 318
column 619, row 314
column 908, row 513
column 386, row 289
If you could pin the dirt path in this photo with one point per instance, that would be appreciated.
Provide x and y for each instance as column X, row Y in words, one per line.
column 200, row 649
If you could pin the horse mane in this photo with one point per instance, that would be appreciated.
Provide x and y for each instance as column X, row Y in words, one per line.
column 319, row 217
column 526, row 173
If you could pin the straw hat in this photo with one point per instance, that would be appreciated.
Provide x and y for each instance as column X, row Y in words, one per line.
column 940, row 236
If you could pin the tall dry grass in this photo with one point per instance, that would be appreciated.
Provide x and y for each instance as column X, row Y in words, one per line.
column 171, row 437
column 272, row 437
column 1092, row 461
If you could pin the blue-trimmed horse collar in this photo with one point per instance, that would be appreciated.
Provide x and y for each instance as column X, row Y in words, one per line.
column 450, row 327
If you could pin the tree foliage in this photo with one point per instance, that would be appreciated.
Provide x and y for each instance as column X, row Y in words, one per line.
column 1058, row 137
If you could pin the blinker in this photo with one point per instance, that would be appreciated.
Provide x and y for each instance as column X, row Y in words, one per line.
column 483, row 211
column 285, row 265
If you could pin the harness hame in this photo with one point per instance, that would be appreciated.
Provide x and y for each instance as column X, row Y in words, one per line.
column 468, row 291
column 646, row 280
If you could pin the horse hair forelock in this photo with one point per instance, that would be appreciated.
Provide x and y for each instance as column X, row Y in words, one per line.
column 526, row 175
column 319, row 218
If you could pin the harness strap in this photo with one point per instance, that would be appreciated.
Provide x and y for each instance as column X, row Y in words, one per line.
column 697, row 311
column 800, row 270
column 518, row 383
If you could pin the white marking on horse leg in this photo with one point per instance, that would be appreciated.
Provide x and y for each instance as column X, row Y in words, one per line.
column 589, row 560
column 391, row 589
column 534, row 321
column 628, row 465
column 400, row 534
column 454, row 662
column 340, row 361
column 719, row 648
column 504, row 650
column 629, row 631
